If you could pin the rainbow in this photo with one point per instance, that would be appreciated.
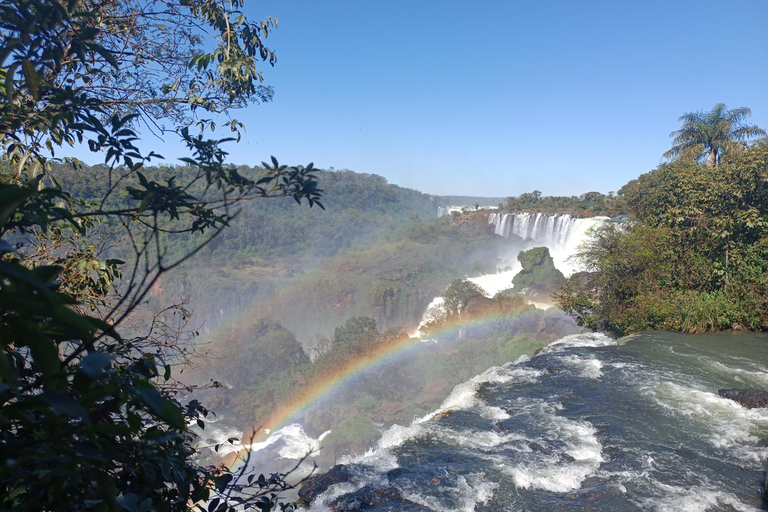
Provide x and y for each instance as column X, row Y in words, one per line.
column 331, row 383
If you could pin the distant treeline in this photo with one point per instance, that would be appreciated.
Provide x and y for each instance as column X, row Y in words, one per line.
column 377, row 250
column 589, row 204
column 359, row 209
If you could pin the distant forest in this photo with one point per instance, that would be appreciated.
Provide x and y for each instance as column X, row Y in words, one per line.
column 359, row 208
column 589, row 204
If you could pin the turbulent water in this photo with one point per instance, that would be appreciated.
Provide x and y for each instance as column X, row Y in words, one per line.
column 588, row 424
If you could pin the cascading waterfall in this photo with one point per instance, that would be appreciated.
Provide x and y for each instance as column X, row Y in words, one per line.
column 563, row 234
column 447, row 210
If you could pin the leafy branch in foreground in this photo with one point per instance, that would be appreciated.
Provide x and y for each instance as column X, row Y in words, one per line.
column 90, row 419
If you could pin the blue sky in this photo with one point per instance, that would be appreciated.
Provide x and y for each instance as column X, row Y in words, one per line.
column 496, row 98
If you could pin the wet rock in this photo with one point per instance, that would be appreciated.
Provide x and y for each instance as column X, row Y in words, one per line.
column 397, row 473
column 381, row 498
column 750, row 398
column 441, row 415
column 763, row 443
column 314, row 486
column 433, row 393
column 612, row 452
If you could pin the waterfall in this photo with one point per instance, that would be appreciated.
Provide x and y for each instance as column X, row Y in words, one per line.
column 447, row 210
column 561, row 233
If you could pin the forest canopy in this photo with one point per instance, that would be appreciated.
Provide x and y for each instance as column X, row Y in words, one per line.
column 693, row 256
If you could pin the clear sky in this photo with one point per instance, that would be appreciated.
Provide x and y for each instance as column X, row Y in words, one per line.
column 496, row 98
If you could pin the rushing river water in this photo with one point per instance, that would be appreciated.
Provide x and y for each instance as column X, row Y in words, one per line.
column 588, row 424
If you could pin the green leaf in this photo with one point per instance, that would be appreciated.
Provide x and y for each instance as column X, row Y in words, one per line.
column 11, row 197
column 33, row 81
column 104, row 53
column 162, row 407
column 9, row 87
column 129, row 502
column 222, row 481
column 94, row 363
column 64, row 405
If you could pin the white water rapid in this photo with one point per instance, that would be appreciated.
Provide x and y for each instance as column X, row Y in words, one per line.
column 590, row 423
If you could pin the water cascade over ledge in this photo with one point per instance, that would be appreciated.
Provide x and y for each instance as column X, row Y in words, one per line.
column 563, row 234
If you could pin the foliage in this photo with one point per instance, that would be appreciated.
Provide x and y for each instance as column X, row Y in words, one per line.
column 710, row 136
column 76, row 63
column 361, row 209
column 259, row 358
column 262, row 349
column 358, row 330
column 693, row 258
column 458, row 294
column 353, row 435
column 391, row 280
column 539, row 273
column 587, row 204
column 83, row 425
column 91, row 420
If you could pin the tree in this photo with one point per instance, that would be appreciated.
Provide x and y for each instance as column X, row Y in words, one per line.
column 692, row 257
column 89, row 419
column 711, row 135
column 356, row 333
column 458, row 294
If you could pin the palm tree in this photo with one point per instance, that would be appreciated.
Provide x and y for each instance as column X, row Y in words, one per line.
column 712, row 134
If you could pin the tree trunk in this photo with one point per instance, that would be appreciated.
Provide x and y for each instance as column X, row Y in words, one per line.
column 712, row 158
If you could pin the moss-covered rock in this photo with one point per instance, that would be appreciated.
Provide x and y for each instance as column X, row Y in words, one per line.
column 539, row 275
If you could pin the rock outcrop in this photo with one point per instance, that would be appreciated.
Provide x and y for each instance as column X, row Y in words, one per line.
column 316, row 485
column 750, row 398
column 539, row 275
column 384, row 499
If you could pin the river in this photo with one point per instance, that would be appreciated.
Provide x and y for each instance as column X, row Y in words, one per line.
column 590, row 423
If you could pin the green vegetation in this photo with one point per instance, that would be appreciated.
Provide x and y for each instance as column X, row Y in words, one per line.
column 356, row 331
column 710, row 136
column 586, row 205
column 458, row 294
column 693, row 257
column 91, row 420
column 377, row 250
column 391, row 279
column 539, row 274
column 361, row 209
